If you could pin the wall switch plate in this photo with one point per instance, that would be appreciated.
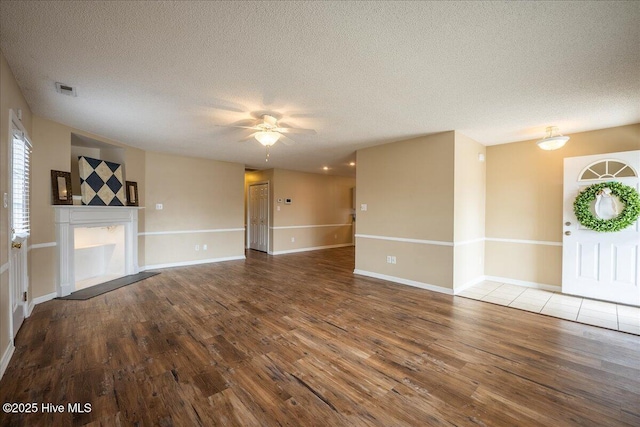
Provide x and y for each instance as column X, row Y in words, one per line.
column 293, row 239
column 159, row 206
column 363, row 207
column 204, row 247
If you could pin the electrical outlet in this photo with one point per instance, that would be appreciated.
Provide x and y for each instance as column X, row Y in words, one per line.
column 363, row 207
column 204, row 247
column 393, row 260
column 197, row 247
column 293, row 239
column 159, row 206
column 388, row 259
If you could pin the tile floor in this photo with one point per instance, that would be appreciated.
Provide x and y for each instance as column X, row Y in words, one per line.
column 597, row 313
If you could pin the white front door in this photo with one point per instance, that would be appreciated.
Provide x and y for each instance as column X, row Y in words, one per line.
column 19, row 149
column 259, row 217
column 600, row 265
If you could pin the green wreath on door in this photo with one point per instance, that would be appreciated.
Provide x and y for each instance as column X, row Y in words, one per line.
column 626, row 194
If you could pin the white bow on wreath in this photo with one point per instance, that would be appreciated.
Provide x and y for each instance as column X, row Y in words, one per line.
column 606, row 206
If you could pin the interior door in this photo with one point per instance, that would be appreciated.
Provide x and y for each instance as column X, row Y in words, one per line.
column 599, row 265
column 18, row 222
column 259, row 217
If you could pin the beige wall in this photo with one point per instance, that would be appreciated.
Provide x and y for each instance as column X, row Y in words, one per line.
column 408, row 187
column 52, row 151
column 319, row 203
column 469, row 189
column 469, row 210
column 197, row 195
column 524, row 201
column 10, row 98
column 320, row 212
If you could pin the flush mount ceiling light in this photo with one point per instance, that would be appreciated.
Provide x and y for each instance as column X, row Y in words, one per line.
column 553, row 140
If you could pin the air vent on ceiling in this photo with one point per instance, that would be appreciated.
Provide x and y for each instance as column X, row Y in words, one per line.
column 65, row 89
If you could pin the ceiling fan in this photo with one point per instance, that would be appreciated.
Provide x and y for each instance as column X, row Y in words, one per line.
column 267, row 131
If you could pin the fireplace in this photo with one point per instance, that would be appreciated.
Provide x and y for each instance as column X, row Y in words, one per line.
column 95, row 244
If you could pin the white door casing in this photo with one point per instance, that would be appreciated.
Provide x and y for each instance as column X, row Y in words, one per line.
column 259, row 217
column 18, row 272
column 600, row 265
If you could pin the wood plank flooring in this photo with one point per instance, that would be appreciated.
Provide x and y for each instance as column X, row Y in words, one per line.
column 299, row 340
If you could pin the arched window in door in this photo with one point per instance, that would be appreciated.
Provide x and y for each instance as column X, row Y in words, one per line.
column 607, row 169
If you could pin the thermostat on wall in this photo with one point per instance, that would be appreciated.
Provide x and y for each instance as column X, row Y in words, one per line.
column 287, row 201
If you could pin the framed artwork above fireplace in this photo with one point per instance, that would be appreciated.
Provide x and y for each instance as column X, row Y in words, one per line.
column 101, row 182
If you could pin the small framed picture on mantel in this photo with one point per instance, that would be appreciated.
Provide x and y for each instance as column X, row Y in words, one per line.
column 131, row 188
column 61, row 188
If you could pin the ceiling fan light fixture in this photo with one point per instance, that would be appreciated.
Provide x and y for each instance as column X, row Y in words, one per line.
column 553, row 140
column 267, row 138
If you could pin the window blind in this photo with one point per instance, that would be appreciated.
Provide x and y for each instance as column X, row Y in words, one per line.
column 20, row 185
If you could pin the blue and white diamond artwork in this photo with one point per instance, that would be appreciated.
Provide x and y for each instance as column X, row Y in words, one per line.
column 101, row 182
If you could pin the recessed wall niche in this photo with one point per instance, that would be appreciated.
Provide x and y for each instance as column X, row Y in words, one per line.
column 84, row 146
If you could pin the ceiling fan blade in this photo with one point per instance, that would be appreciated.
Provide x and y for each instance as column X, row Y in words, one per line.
column 303, row 115
column 244, row 123
column 295, row 130
column 248, row 137
column 237, row 127
column 222, row 104
column 286, row 140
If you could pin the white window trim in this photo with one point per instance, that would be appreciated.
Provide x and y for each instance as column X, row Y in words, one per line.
column 16, row 124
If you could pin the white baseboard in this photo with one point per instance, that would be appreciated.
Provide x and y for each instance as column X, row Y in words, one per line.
column 6, row 358
column 43, row 298
column 404, row 281
column 535, row 285
column 314, row 248
column 469, row 284
column 188, row 263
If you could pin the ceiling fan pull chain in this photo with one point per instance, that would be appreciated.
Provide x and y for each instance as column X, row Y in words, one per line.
column 266, row 159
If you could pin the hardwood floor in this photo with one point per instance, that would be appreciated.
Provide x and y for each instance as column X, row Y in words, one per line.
column 299, row 340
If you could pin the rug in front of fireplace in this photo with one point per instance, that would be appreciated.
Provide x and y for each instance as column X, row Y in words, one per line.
column 101, row 182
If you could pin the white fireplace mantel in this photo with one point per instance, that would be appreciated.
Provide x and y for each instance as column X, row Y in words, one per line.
column 68, row 217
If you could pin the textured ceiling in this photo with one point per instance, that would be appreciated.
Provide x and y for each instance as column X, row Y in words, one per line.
column 162, row 75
